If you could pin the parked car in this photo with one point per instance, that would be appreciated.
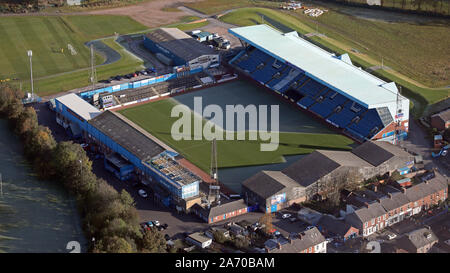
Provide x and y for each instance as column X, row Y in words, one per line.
column 142, row 193
column 156, row 223
column 165, row 226
column 391, row 236
column 286, row 215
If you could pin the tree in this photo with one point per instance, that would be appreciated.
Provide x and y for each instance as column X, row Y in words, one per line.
column 113, row 244
column 219, row 237
column 74, row 167
column 152, row 242
column 266, row 220
column 241, row 242
column 40, row 142
column 26, row 122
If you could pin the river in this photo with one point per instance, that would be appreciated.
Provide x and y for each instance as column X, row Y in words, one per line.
column 35, row 216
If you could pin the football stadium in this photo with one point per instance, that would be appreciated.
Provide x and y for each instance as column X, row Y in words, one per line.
column 333, row 115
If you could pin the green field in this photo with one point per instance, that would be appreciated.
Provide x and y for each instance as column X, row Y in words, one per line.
column 77, row 79
column 48, row 38
column 413, row 50
column 155, row 118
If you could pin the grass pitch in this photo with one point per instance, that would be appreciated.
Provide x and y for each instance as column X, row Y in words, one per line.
column 48, row 38
column 155, row 118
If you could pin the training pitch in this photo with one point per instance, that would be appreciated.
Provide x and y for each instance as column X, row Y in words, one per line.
column 299, row 133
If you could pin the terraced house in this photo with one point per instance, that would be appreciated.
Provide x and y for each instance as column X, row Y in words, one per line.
column 396, row 206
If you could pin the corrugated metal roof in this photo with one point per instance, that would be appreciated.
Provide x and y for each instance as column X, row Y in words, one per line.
column 179, row 43
column 354, row 82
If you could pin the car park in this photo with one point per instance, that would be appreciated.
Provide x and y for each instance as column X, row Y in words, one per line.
column 142, row 193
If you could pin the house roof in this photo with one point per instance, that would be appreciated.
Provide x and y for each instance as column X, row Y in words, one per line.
column 444, row 115
column 227, row 207
column 417, row 239
column 267, row 183
column 394, row 201
column 310, row 168
column 126, row 135
column 303, row 241
column 370, row 212
column 179, row 43
column 199, row 237
column 331, row 224
column 79, row 106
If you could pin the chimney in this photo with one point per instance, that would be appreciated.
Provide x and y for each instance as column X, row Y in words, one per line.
column 290, row 240
column 267, row 249
column 278, row 245
column 366, row 204
column 403, row 190
column 379, row 200
column 390, row 195
column 375, row 188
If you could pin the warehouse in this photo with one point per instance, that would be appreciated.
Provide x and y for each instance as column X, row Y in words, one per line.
column 272, row 191
column 174, row 47
column 310, row 176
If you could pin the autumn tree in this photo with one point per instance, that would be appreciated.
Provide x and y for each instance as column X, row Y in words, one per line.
column 113, row 244
column 266, row 220
column 152, row 242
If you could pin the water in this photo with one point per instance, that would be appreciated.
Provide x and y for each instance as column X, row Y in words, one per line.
column 35, row 216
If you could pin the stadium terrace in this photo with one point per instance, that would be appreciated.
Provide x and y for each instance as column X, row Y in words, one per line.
column 328, row 86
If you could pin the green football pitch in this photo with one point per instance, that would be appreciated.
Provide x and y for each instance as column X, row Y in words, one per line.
column 49, row 38
column 155, row 117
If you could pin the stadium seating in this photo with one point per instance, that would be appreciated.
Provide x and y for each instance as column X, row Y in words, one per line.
column 310, row 94
column 311, row 88
column 369, row 121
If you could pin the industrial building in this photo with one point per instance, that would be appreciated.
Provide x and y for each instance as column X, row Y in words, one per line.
column 307, row 178
column 330, row 87
column 174, row 47
column 129, row 150
column 73, row 113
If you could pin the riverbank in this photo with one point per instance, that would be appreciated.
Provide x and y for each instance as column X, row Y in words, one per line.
column 35, row 216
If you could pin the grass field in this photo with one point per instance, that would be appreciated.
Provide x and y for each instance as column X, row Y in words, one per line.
column 48, row 38
column 155, row 118
column 413, row 50
column 61, row 83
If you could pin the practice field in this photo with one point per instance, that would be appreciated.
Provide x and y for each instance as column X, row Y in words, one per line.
column 48, row 37
column 303, row 136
